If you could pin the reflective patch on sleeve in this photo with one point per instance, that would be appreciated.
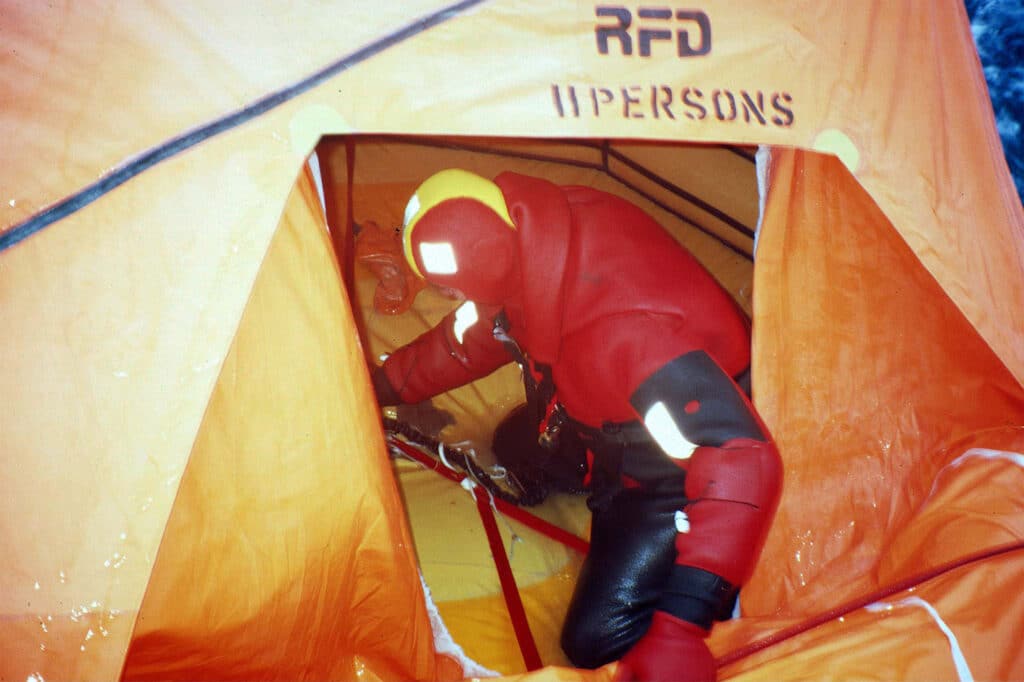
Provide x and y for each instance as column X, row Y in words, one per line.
column 691, row 396
column 438, row 258
column 666, row 432
column 465, row 317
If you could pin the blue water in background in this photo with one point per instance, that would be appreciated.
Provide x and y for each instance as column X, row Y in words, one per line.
column 998, row 27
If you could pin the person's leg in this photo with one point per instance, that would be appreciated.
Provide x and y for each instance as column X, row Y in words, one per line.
column 632, row 550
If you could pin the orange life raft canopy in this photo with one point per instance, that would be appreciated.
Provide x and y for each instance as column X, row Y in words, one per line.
column 194, row 481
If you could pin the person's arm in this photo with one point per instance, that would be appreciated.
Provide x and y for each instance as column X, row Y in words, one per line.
column 458, row 350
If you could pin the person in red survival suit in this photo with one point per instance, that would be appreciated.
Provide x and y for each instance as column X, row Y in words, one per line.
column 639, row 347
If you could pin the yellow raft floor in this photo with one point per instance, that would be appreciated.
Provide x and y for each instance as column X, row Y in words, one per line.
column 459, row 570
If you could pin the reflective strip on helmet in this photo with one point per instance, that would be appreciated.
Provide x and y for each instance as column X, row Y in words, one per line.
column 438, row 258
column 411, row 209
column 453, row 183
column 465, row 317
column 666, row 432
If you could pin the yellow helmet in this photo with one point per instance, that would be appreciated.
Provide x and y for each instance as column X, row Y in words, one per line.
column 458, row 233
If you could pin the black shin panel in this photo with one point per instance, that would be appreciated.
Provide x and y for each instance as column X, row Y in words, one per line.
column 698, row 596
column 703, row 401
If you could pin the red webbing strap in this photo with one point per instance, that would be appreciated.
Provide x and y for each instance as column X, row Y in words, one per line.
column 426, row 460
column 513, row 602
column 513, row 512
column 349, row 266
column 510, row 591
column 544, row 527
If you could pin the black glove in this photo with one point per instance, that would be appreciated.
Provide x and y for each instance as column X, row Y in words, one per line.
column 385, row 392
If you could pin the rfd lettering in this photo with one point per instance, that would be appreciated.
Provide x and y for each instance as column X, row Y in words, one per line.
column 655, row 24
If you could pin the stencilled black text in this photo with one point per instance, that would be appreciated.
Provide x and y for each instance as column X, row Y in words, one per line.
column 675, row 103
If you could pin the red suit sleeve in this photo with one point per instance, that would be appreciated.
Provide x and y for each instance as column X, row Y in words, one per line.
column 439, row 360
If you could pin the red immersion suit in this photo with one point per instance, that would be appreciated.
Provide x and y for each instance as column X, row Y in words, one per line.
column 630, row 328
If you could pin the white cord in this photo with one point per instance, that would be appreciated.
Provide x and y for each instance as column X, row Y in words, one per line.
column 440, row 451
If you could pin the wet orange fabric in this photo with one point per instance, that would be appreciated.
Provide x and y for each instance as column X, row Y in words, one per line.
column 270, row 549
column 849, row 326
column 948, row 576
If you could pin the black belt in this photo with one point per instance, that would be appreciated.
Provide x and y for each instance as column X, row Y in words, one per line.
column 621, row 433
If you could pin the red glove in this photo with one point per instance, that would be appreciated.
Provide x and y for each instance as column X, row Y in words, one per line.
column 672, row 650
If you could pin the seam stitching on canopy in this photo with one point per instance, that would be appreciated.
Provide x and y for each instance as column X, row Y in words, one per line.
column 128, row 169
